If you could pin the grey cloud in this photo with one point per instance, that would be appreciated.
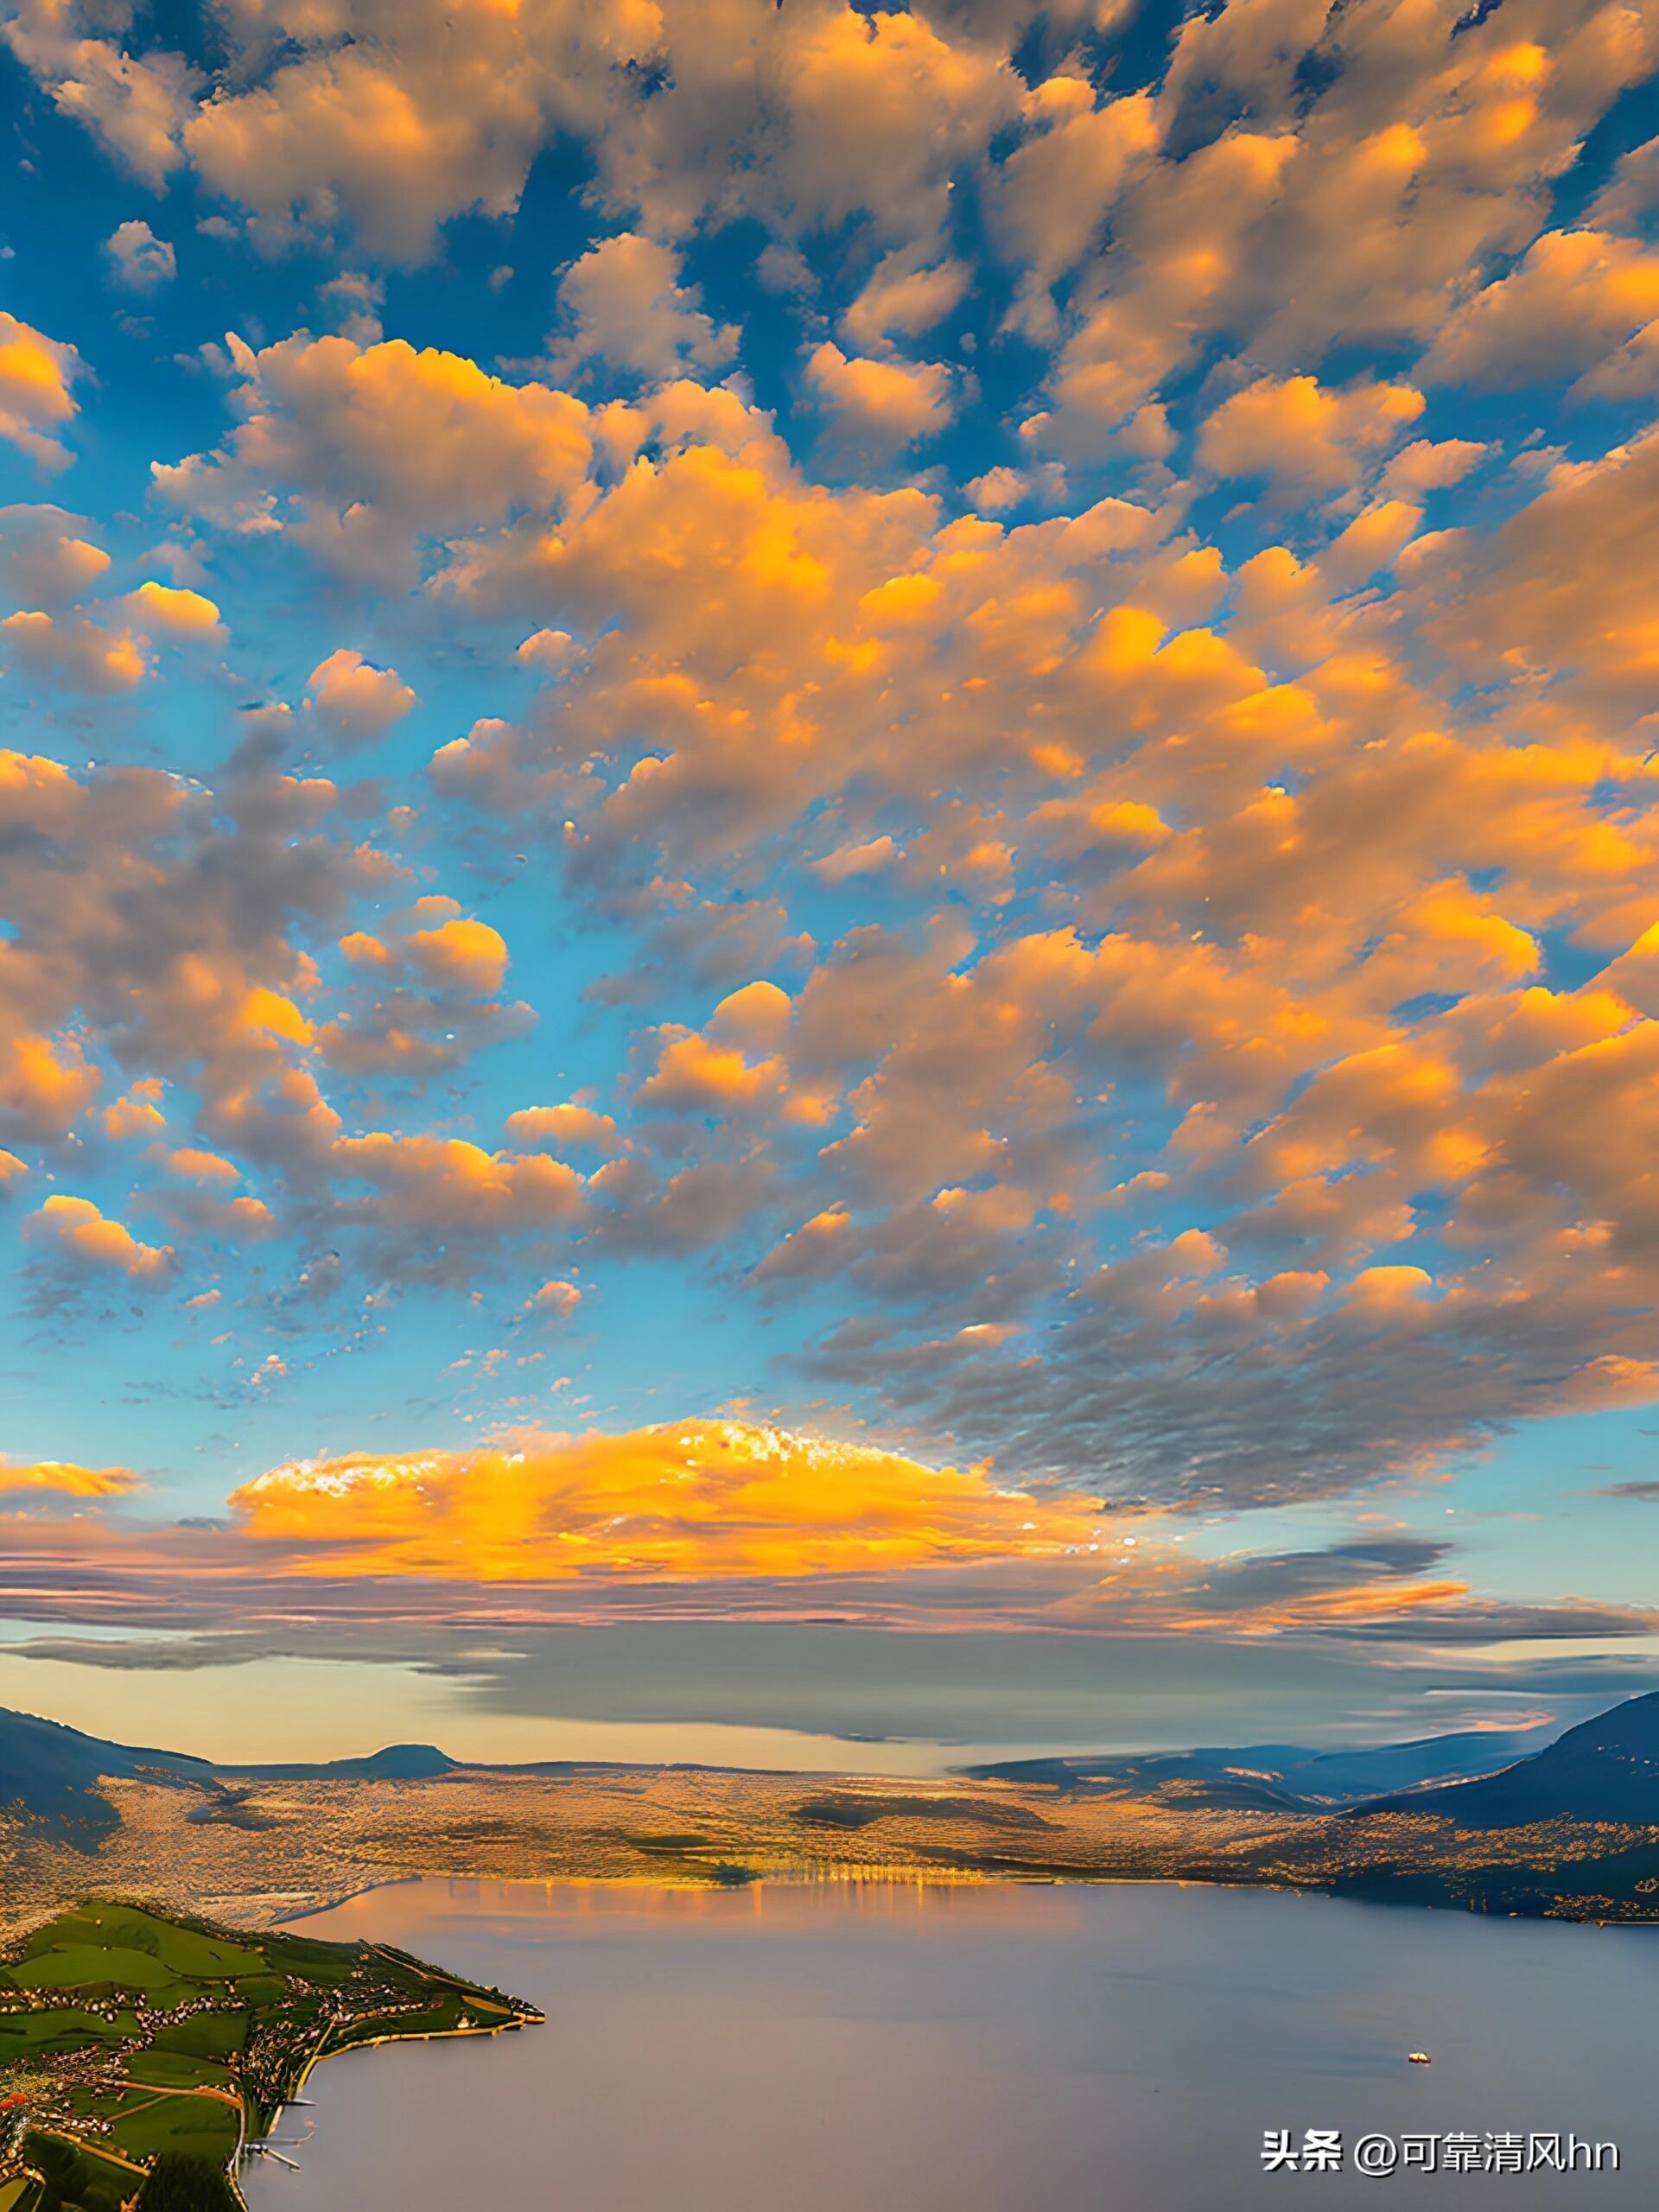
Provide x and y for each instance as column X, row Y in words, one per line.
column 969, row 1690
column 1197, row 1406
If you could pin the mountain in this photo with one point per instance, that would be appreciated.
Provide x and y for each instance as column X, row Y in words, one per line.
column 397, row 1763
column 50, row 1775
column 1485, row 1816
column 1605, row 1769
column 1279, row 1777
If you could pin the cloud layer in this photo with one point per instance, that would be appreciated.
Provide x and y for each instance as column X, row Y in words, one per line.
column 965, row 750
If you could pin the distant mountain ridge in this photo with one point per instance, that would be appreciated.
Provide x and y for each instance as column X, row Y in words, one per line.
column 1281, row 1778
column 1606, row 1769
column 1331, row 1815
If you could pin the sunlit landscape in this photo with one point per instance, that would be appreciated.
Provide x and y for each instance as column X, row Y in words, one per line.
column 828, row 1055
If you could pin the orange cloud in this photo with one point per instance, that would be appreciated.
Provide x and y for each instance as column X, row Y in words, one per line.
column 73, row 650
column 566, row 1124
column 691, row 1500
column 197, row 1166
column 45, row 1082
column 439, row 1182
column 461, row 952
column 74, row 1230
column 63, row 1478
column 175, row 612
column 422, row 998
column 35, row 401
column 555, row 1301
column 392, row 124
column 695, row 1076
column 1303, row 435
column 905, row 293
column 353, row 700
column 880, row 405
column 1578, row 302
column 378, row 440
column 47, row 556
column 137, row 1113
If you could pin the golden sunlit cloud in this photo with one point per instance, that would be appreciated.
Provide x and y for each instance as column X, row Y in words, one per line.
column 36, row 373
column 78, row 1232
column 720, row 1520
column 174, row 612
column 700, row 1500
column 62, row 1479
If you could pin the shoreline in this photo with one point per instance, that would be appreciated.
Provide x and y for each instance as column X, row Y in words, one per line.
column 880, row 1875
column 528, row 2018
column 333, row 1903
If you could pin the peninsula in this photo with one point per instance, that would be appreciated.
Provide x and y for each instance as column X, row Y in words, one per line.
column 132, row 2040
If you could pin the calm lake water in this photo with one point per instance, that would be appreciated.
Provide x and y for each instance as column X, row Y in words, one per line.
column 887, row 2048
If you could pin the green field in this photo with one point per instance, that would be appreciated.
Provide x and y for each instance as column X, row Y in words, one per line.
column 124, row 2034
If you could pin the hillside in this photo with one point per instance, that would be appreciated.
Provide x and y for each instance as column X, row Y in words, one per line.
column 126, row 2035
column 1605, row 1770
column 1279, row 1777
column 49, row 1775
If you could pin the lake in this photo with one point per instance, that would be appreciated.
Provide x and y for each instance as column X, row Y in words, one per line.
column 818, row 2048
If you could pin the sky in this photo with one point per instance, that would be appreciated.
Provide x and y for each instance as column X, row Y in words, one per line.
column 828, row 922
